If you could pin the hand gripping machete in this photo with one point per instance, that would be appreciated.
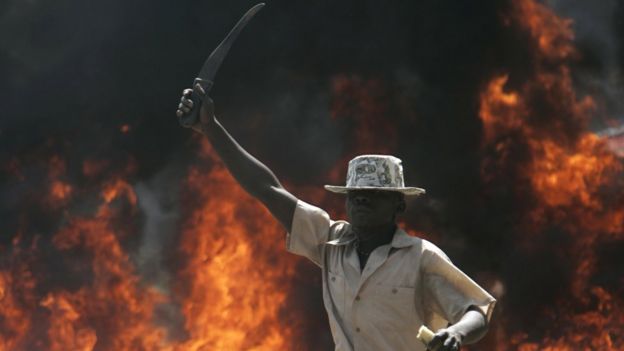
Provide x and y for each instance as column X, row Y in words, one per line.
column 211, row 66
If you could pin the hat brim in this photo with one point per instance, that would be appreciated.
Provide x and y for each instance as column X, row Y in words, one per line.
column 405, row 190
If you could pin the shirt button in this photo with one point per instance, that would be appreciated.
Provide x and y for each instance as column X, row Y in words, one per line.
column 357, row 298
column 394, row 290
column 333, row 279
column 357, row 330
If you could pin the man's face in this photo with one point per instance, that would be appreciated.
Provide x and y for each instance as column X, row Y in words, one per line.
column 373, row 207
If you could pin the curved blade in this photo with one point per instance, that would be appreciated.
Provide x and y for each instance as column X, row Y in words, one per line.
column 211, row 66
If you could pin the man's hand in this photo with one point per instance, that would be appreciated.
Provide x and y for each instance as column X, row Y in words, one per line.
column 206, row 114
column 446, row 339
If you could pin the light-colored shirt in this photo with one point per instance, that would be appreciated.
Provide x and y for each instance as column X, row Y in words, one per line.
column 405, row 284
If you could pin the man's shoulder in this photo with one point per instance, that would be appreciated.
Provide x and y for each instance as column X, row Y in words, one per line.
column 339, row 229
column 428, row 245
column 431, row 250
column 403, row 239
column 420, row 246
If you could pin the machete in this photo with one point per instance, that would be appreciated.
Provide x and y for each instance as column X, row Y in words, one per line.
column 206, row 75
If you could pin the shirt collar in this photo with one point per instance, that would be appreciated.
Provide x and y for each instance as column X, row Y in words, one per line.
column 346, row 238
column 399, row 240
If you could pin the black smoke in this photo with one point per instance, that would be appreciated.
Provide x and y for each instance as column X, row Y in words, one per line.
column 75, row 72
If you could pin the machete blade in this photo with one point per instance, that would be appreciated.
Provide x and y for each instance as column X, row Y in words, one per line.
column 206, row 75
column 213, row 62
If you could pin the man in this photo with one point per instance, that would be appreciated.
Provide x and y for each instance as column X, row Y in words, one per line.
column 379, row 284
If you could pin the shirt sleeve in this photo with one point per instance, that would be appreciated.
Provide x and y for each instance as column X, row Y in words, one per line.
column 449, row 291
column 309, row 232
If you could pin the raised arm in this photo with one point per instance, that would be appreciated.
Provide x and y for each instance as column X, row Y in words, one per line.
column 256, row 178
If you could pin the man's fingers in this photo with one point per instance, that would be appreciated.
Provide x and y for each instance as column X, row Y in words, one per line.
column 448, row 342
column 184, row 108
column 199, row 89
column 437, row 341
column 451, row 344
column 186, row 104
column 455, row 346
column 186, row 100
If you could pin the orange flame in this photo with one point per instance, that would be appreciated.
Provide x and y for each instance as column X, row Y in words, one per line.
column 109, row 310
column 552, row 34
column 236, row 268
column 234, row 278
column 568, row 170
column 92, row 167
column 16, row 290
column 114, row 304
column 60, row 190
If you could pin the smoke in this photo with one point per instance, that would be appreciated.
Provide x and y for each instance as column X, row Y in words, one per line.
column 599, row 70
column 96, row 85
column 158, row 198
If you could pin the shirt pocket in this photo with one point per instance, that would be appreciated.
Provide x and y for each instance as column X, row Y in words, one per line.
column 337, row 287
column 394, row 308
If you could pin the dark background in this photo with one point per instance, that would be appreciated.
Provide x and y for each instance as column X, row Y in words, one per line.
column 75, row 72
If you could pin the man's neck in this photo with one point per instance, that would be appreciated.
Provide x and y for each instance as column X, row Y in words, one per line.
column 371, row 237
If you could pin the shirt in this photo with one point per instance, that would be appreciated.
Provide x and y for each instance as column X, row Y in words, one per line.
column 405, row 284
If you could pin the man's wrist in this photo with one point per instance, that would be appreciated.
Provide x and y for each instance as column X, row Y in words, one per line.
column 208, row 126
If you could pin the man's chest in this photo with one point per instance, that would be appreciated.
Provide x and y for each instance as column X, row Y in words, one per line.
column 386, row 293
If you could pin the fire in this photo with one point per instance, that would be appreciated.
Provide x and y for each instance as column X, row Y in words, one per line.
column 572, row 180
column 100, row 305
column 236, row 270
column 91, row 168
column 16, row 290
column 552, row 34
column 114, row 189
column 113, row 308
column 73, row 283
column 499, row 109
column 63, row 333
column 60, row 190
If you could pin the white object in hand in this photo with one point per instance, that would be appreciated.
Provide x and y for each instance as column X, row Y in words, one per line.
column 425, row 335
